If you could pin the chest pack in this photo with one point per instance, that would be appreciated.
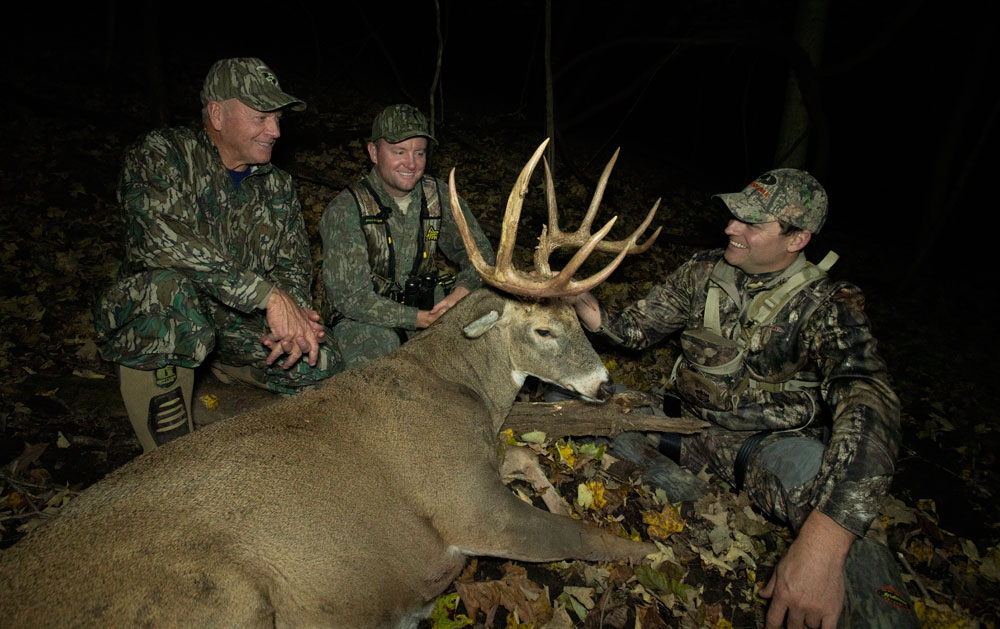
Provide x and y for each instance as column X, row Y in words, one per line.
column 712, row 369
column 374, row 219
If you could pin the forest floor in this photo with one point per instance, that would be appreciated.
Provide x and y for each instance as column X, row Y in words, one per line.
column 64, row 426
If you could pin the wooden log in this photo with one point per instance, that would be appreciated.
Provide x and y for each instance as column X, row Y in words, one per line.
column 574, row 417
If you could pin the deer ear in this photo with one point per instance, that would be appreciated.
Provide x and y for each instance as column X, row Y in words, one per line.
column 481, row 325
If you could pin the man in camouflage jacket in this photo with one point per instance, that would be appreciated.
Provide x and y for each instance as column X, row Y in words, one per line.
column 779, row 358
column 384, row 229
column 216, row 264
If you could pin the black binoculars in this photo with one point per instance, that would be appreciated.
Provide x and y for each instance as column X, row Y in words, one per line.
column 419, row 291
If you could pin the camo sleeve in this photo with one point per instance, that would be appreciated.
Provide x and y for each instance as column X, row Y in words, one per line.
column 292, row 267
column 665, row 309
column 451, row 245
column 347, row 282
column 164, row 226
column 860, row 457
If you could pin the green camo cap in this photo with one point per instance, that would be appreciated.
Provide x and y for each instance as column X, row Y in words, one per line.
column 249, row 80
column 785, row 194
column 396, row 123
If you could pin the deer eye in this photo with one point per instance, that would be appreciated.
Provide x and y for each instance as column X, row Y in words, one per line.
column 543, row 332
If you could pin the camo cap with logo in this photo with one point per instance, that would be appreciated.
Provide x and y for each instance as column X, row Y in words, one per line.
column 249, row 80
column 396, row 123
column 785, row 194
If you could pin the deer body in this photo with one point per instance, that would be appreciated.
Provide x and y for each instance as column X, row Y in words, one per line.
column 352, row 505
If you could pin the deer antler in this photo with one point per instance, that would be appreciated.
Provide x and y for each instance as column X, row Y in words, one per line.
column 543, row 282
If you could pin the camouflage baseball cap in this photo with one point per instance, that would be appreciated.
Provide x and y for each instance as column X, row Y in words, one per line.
column 249, row 80
column 396, row 123
column 785, row 194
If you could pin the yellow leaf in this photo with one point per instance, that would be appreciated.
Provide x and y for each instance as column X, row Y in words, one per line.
column 566, row 453
column 211, row 401
column 511, row 441
column 596, row 488
column 663, row 524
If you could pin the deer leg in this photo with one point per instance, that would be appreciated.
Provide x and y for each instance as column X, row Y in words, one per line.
column 517, row 530
column 521, row 460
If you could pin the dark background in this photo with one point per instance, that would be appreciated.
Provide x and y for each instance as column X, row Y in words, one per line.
column 692, row 91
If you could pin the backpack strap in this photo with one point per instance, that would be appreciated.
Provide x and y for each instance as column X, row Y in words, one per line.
column 374, row 220
column 766, row 305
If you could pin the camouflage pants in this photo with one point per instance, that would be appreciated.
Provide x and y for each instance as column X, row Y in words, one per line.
column 780, row 475
column 159, row 318
column 362, row 342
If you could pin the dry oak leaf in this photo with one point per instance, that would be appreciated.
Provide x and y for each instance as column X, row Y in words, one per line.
column 513, row 591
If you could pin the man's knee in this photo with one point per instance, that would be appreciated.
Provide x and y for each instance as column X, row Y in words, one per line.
column 780, row 477
column 154, row 318
column 793, row 460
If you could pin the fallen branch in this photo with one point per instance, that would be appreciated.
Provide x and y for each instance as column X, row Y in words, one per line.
column 573, row 417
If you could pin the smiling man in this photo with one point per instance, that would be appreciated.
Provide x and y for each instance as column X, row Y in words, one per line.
column 380, row 237
column 779, row 358
column 216, row 265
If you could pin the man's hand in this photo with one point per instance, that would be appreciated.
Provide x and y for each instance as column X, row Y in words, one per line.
column 294, row 331
column 808, row 582
column 587, row 308
column 427, row 317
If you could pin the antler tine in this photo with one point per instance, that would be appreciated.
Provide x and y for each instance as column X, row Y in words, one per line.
column 503, row 276
column 615, row 245
column 559, row 238
column 475, row 256
column 602, row 183
column 512, row 215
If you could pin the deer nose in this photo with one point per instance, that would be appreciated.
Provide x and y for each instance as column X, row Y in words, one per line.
column 606, row 390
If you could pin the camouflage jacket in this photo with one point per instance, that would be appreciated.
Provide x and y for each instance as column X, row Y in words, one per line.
column 182, row 212
column 822, row 337
column 348, row 279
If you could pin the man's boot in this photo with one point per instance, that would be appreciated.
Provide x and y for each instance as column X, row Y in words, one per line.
column 658, row 470
column 158, row 402
column 876, row 595
column 245, row 374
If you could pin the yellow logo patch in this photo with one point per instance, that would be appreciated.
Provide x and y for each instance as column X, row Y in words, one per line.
column 165, row 377
column 892, row 597
column 432, row 234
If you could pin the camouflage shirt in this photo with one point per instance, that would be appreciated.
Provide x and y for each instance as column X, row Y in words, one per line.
column 182, row 212
column 347, row 272
column 821, row 336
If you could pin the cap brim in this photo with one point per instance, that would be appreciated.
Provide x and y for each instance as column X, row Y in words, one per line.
column 404, row 137
column 744, row 208
column 274, row 102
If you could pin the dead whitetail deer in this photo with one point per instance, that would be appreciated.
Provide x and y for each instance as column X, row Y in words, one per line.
column 354, row 504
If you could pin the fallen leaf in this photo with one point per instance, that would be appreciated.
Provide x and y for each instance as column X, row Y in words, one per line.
column 211, row 401
column 88, row 374
column 664, row 523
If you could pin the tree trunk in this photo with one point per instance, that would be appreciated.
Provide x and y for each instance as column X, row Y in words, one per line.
column 550, row 117
column 793, row 136
column 437, row 66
